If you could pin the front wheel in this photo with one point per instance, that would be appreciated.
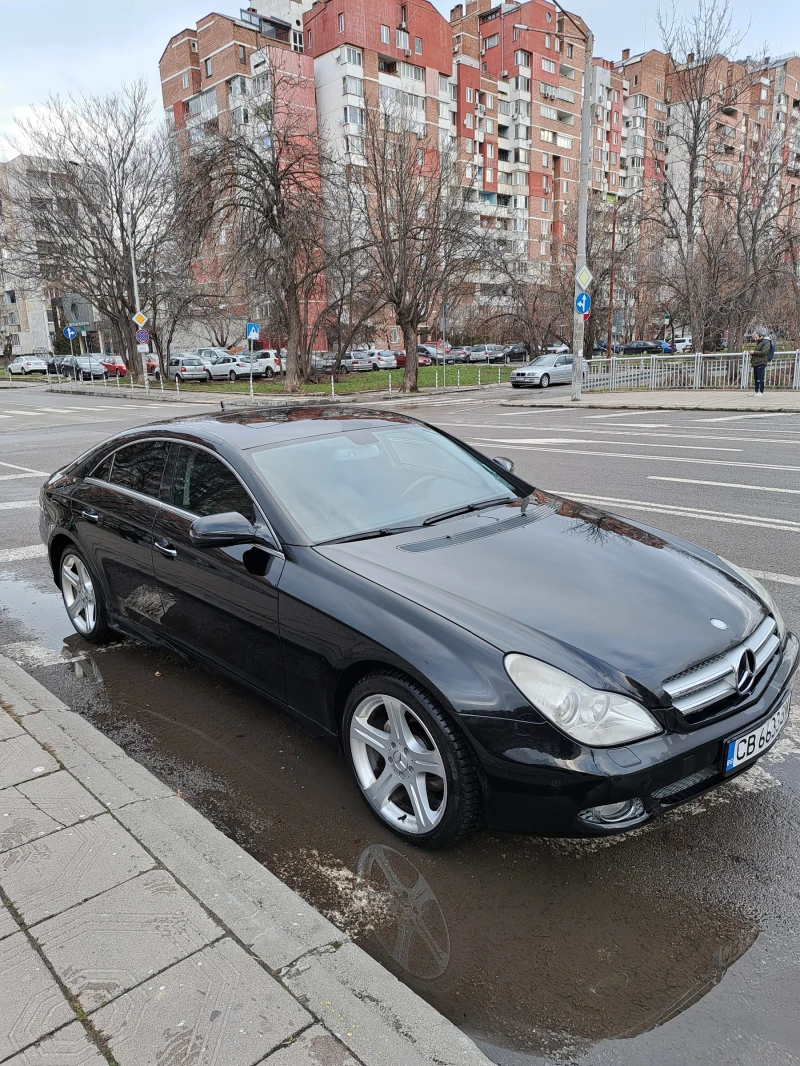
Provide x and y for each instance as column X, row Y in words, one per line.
column 545, row 381
column 513, row 386
column 232, row 375
column 412, row 765
column 375, row 366
column 83, row 597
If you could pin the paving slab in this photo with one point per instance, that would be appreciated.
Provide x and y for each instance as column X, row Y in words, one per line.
column 314, row 1047
column 217, row 1008
column 49, row 875
column 60, row 796
column 117, row 940
column 8, row 923
column 70, row 1046
column 32, row 1003
column 21, row 820
column 9, row 727
column 21, row 758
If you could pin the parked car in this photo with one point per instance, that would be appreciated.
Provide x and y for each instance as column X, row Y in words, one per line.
column 374, row 359
column 265, row 363
column 432, row 350
column 557, row 349
column 485, row 353
column 209, row 356
column 81, row 367
column 423, row 359
column 448, row 355
column 643, row 348
column 543, row 371
column 665, row 346
column 326, row 362
column 27, row 364
column 578, row 673
column 516, row 353
column 115, row 365
column 185, row 368
column 683, row 344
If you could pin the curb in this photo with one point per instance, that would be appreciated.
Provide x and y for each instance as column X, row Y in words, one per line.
column 350, row 996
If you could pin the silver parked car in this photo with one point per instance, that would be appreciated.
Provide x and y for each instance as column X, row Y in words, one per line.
column 486, row 353
column 27, row 364
column 373, row 359
column 543, row 371
column 185, row 368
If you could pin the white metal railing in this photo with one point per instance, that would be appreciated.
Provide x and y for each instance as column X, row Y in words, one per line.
column 690, row 371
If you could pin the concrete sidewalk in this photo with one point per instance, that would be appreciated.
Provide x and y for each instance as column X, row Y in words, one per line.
column 133, row 932
column 785, row 400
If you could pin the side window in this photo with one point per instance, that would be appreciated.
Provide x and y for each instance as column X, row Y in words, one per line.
column 203, row 485
column 103, row 468
column 140, row 467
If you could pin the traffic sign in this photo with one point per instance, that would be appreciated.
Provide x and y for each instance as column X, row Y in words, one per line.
column 143, row 349
column 666, row 318
column 584, row 277
column 252, row 331
column 142, row 336
column 70, row 332
column 139, row 319
column 583, row 303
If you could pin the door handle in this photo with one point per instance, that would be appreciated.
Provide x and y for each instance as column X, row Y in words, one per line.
column 166, row 548
column 90, row 516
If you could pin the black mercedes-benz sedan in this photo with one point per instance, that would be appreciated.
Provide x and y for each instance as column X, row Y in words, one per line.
column 482, row 650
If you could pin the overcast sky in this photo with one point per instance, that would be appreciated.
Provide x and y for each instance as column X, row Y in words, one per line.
column 91, row 46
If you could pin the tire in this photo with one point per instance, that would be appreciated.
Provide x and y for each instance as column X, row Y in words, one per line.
column 269, row 372
column 513, row 386
column 449, row 805
column 375, row 366
column 232, row 376
column 83, row 596
column 179, row 379
column 208, row 375
column 24, row 372
column 157, row 376
column 545, row 381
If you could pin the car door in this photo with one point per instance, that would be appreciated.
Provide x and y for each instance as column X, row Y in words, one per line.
column 113, row 511
column 562, row 371
column 219, row 603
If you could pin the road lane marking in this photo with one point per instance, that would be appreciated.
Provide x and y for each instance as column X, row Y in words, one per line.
column 30, row 551
column 27, row 469
column 739, row 418
column 625, row 433
column 621, row 443
column 13, row 477
column 13, row 505
column 627, row 414
column 783, row 524
column 652, row 458
column 721, row 484
column 765, row 575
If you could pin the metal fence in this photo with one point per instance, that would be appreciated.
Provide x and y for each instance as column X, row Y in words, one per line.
column 673, row 371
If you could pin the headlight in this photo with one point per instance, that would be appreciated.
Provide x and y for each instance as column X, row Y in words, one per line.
column 759, row 590
column 600, row 719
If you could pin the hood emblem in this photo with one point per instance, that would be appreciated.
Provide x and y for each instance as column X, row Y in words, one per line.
column 718, row 623
column 746, row 673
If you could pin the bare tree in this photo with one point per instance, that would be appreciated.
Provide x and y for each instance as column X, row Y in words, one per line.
column 422, row 233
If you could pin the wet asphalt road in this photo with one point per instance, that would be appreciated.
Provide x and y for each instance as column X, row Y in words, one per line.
column 673, row 945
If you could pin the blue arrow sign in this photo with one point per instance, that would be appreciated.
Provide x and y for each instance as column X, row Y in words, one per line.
column 70, row 332
column 583, row 302
column 252, row 331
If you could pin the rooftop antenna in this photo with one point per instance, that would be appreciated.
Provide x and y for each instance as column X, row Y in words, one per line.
column 644, row 39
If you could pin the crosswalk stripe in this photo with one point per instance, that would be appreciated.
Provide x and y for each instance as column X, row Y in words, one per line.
column 30, row 551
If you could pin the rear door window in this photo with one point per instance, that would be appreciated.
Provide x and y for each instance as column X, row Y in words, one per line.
column 140, row 467
column 203, row 485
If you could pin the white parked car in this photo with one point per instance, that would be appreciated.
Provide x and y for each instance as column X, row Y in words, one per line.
column 231, row 367
column 373, row 359
column 266, row 363
column 27, row 364
column 683, row 344
column 558, row 349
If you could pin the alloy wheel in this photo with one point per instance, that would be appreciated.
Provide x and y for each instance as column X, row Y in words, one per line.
column 545, row 381
column 398, row 764
column 78, row 592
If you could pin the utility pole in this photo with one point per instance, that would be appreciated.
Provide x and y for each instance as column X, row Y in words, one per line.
column 126, row 214
column 611, row 282
column 583, row 212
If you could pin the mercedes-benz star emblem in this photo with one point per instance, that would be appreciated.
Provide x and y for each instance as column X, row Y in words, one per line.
column 718, row 623
column 746, row 673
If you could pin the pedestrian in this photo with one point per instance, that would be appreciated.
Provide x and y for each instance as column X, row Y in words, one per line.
column 759, row 358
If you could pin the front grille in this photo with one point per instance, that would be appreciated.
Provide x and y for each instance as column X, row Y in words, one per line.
column 686, row 784
column 714, row 680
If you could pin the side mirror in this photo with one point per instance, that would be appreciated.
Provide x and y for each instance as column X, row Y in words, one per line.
column 504, row 462
column 227, row 530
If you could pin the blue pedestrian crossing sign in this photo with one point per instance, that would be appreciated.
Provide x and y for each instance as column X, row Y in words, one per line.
column 70, row 332
column 252, row 331
column 583, row 302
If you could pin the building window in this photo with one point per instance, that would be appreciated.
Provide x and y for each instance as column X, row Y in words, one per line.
column 764, row 94
column 468, row 120
column 207, row 65
column 193, row 45
column 489, row 176
column 519, row 177
column 615, row 137
column 668, row 95
column 489, row 125
column 659, row 85
column 468, row 146
column 242, row 54
column 418, row 45
column 408, row 70
column 353, row 86
column 547, row 40
column 468, row 94
column 185, row 79
column 341, row 22
column 401, row 39
column 297, row 40
column 354, row 115
column 491, row 42
column 384, row 34
column 545, row 205
column 309, row 38
column 444, row 84
column 444, row 110
column 489, row 100
column 353, row 55
column 545, row 160
column 598, row 176
column 635, row 79
column 565, row 168
column 522, row 59
column 616, row 100
column 547, row 135
column 548, row 66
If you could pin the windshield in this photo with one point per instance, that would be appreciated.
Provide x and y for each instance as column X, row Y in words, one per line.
column 542, row 360
column 345, row 484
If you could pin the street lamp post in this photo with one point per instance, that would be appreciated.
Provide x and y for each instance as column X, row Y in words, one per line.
column 583, row 213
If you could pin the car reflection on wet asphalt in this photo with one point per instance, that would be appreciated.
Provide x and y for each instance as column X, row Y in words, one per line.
column 573, row 950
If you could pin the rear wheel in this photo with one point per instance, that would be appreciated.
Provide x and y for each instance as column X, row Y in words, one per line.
column 375, row 366
column 179, row 379
column 269, row 372
column 83, row 597
column 545, row 381
column 232, row 375
column 413, row 767
column 208, row 375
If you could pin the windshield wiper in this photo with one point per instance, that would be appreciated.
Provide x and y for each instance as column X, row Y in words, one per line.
column 467, row 509
column 384, row 531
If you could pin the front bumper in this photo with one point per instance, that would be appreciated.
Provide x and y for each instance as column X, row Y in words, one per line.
column 529, row 787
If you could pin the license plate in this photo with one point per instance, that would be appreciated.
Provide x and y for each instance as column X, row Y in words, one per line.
column 750, row 745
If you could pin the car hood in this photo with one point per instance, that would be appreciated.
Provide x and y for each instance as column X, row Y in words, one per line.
column 609, row 600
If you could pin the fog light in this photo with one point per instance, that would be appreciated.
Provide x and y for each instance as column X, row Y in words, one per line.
column 626, row 811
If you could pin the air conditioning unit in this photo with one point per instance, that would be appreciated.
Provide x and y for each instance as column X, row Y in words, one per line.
column 503, row 73
column 483, row 51
column 407, row 52
column 403, row 25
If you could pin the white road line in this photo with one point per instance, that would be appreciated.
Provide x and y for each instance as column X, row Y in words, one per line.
column 27, row 469
column 739, row 418
column 14, row 505
column 627, row 414
column 622, row 443
column 722, row 484
column 625, row 433
column 785, row 525
column 765, row 575
column 13, row 477
column 13, row 555
column 652, row 458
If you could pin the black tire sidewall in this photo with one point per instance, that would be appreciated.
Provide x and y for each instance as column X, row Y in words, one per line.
column 451, row 826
